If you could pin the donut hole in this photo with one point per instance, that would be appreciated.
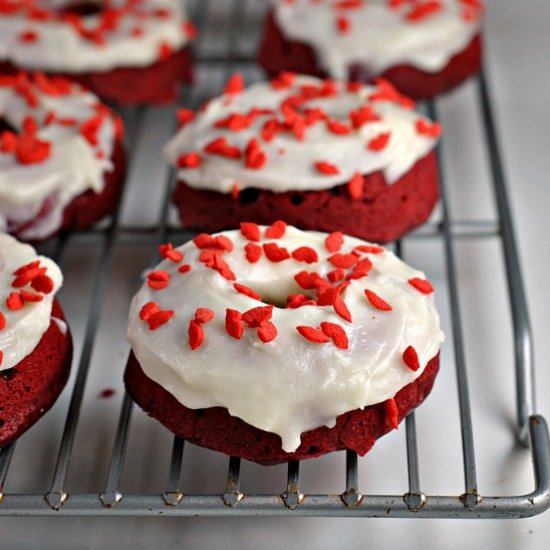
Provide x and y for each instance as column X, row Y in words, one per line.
column 5, row 126
column 276, row 291
column 85, row 8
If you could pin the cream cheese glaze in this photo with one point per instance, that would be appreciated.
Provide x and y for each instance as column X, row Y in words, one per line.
column 23, row 327
column 324, row 124
column 127, row 33
column 290, row 384
column 79, row 134
column 379, row 34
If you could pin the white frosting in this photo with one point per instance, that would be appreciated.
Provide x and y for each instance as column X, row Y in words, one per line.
column 379, row 37
column 73, row 166
column 290, row 385
column 291, row 162
column 59, row 47
column 25, row 327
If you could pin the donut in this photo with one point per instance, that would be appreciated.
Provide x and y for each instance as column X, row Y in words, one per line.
column 321, row 154
column 424, row 48
column 274, row 344
column 127, row 51
column 35, row 343
column 61, row 158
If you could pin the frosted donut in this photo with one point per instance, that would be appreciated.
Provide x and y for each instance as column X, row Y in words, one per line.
column 423, row 48
column 284, row 330
column 35, row 342
column 61, row 159
column 130, row 51
column 321, row 154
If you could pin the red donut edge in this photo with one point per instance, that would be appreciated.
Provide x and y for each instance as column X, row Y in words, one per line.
column 383, row 213
column 158, row 83
column 30, row 388
column 216, row 429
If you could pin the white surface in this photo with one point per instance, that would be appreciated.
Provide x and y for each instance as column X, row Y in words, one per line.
column 518, row 44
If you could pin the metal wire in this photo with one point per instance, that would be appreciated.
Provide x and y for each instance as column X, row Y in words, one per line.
column 174, row 501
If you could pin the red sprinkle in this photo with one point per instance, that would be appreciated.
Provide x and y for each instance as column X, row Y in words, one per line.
column 298, row 300
column 337, row 333
column 305, row 254
column 27, row 296
column 222, row 148
column 250, row 231
column 336, row 275
column 343, row 261
column 167, row 252
column 149, row 309
column 257, row 316
column 189, row 160
column 235, row 84
column 253, row 252
column 334, row 241
column 423, row 9
column 28, row 36
column 159, row 318
column 369, row 249
column 313, row 334
column 185, row 116
column 343, row 25
column 341, row 309
column 247, row 291
column 14, row 301
column 235, row 191
column 380, row 142
column 204, row 240
column 158, row 280
column 337, row 127
column 360, row 270
column 234, row 323
column 283, row 80
column 164, row 51
column 196, row 335
column 203, row 315
column 31, row 150
column 184, row 268
column 355, row 186
column 422, row 285
column 2, row 321
column 327, row 168
column 410, row 358
column 276, row 230
column 376, row 301
column 426, row 128
column 224, row 243
column 275, row 253
column 43, row 284
column 392, row 413
column 267, row 332
column 255, row 157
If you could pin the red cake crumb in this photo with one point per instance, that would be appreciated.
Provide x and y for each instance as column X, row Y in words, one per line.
column 216, row 429
column 277, row 54
column 382, row 212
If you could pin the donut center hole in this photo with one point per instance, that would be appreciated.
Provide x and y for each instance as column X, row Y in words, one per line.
column 5, row 126
column 276, row 292
column 82, row 9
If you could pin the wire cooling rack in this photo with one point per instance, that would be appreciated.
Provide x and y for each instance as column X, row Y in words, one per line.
column 68, row 449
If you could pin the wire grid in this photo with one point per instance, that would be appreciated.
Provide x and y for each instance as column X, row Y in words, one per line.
column 110, row 501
